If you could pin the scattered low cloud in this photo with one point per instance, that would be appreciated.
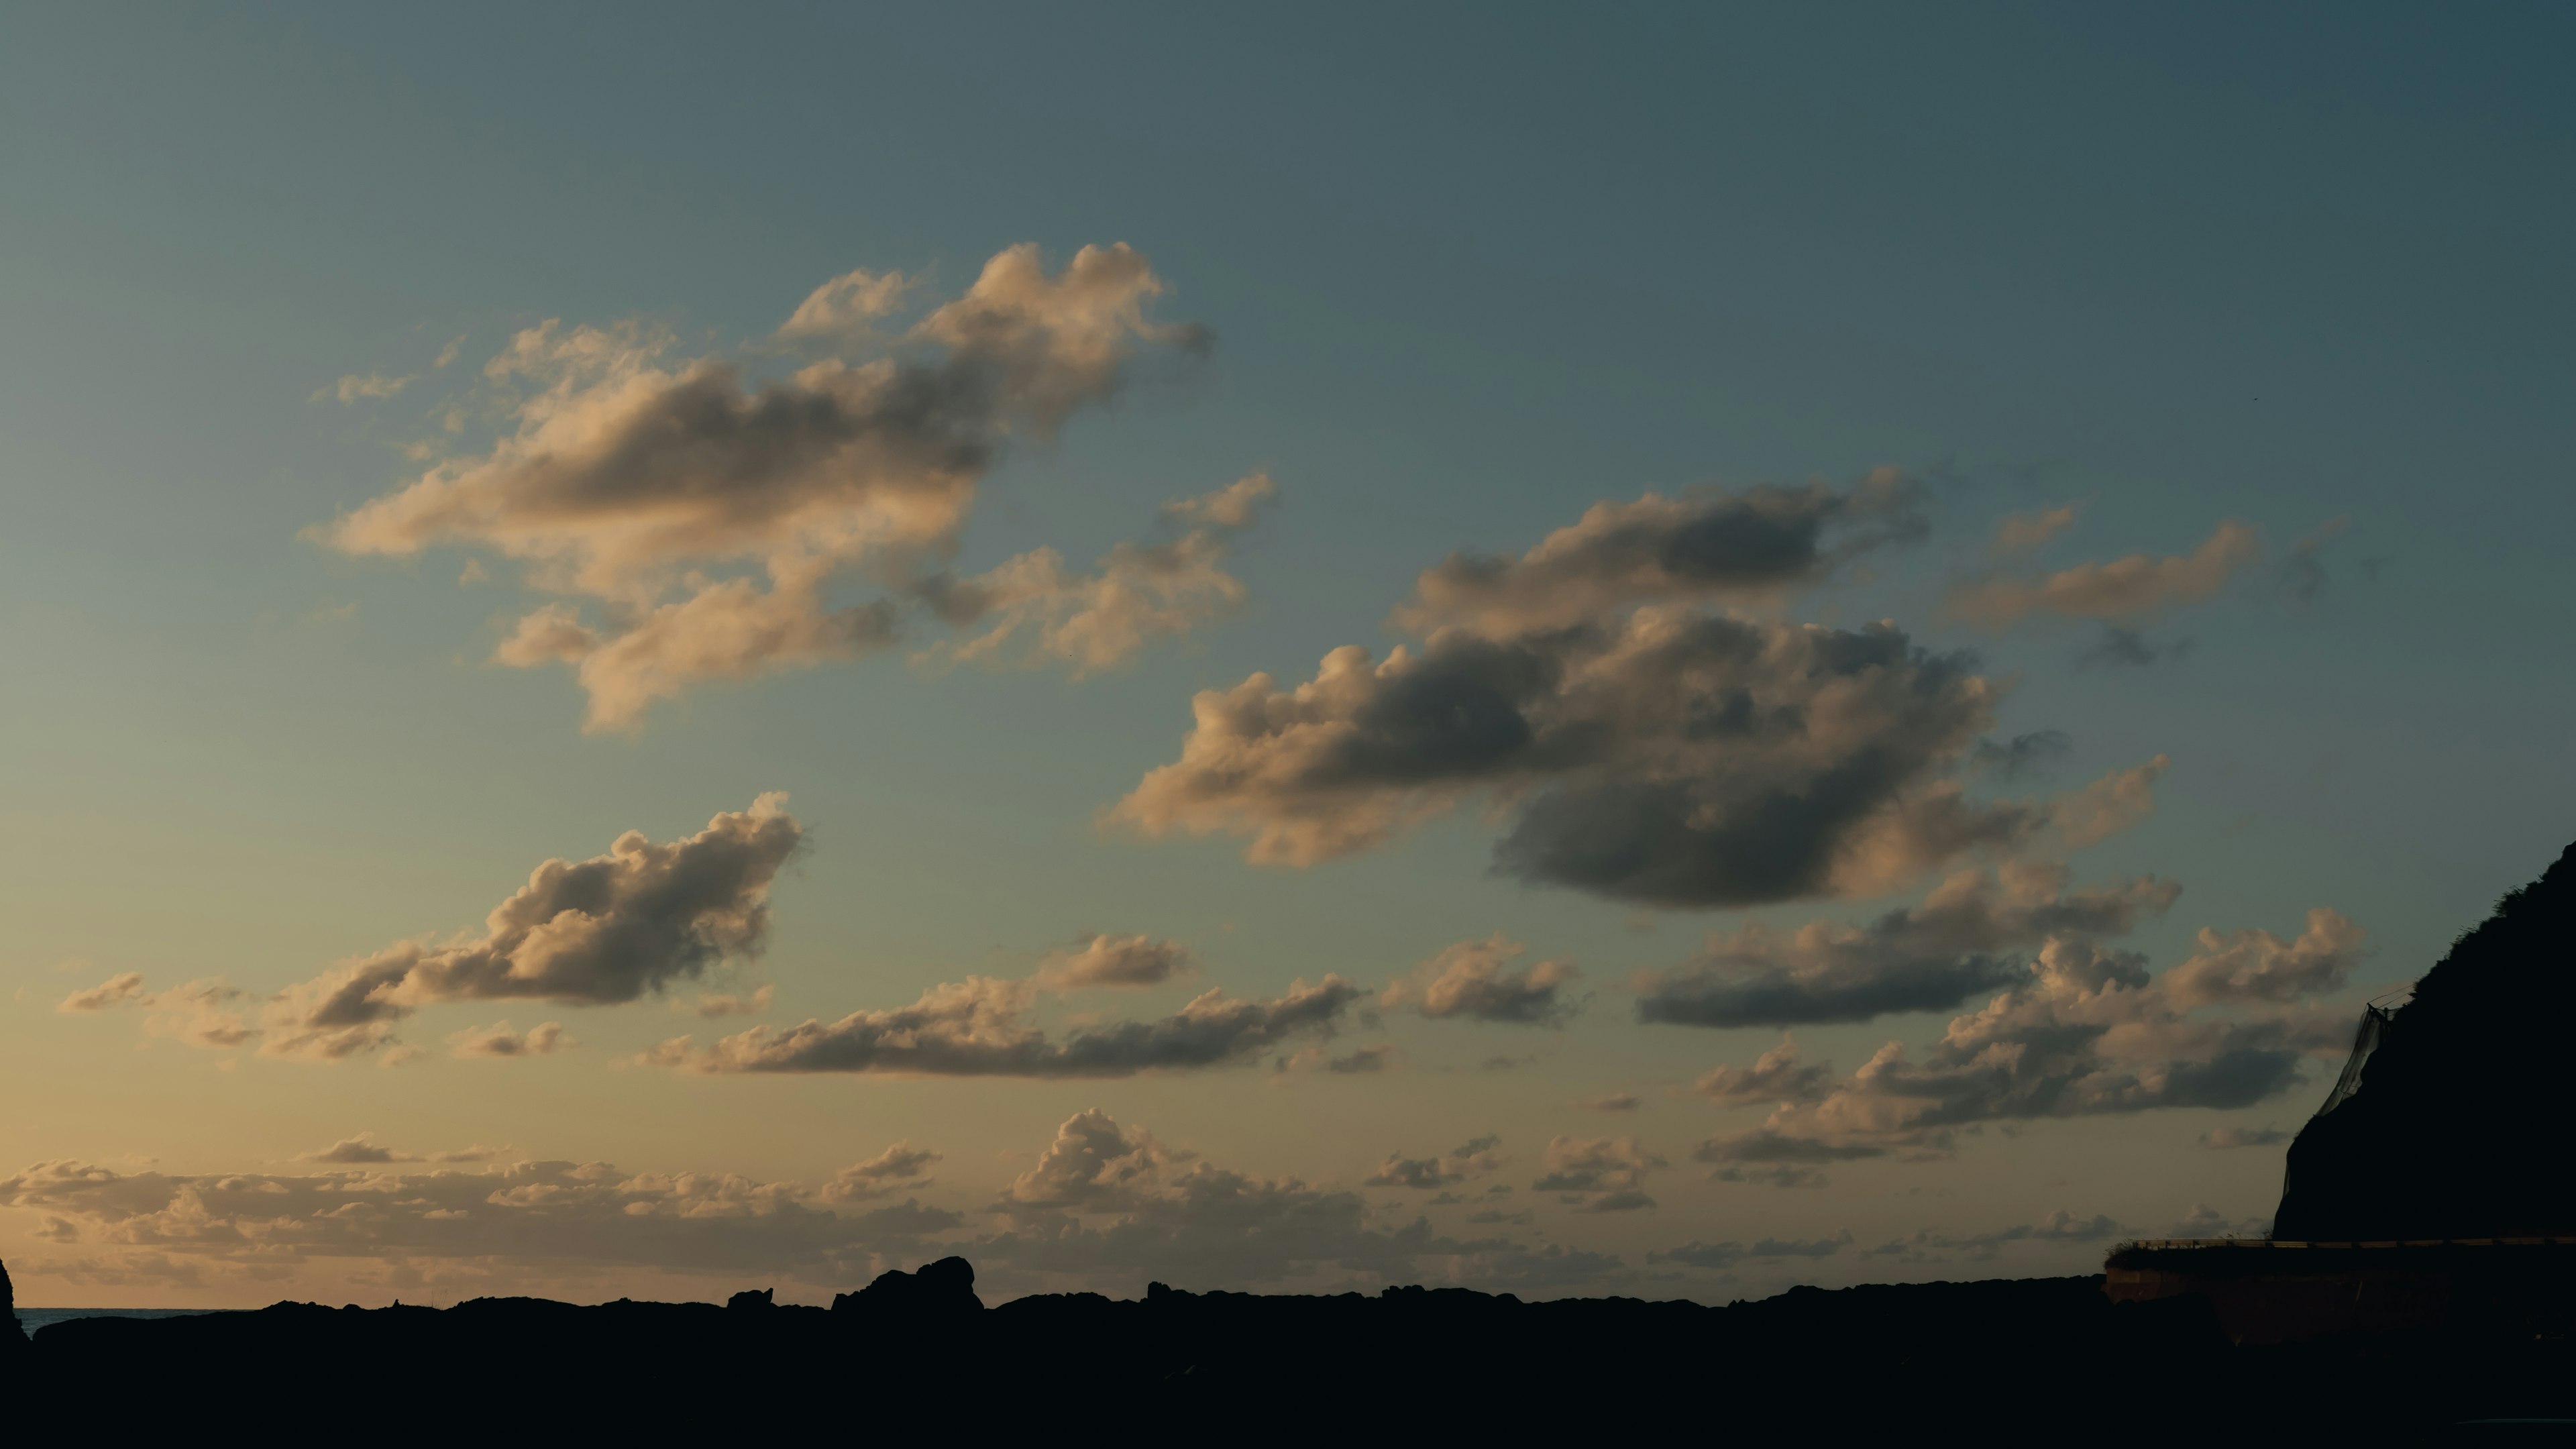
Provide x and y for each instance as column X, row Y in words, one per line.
column 1728, row 1254
column 1710, row 544
column 2123, row 591
column 123, row 989
column 1613, row 1102
column 1472, row 980
column 700, row 523
column 714, row 1004
column 1598, row 1174
column 983, row 1027
column 1030, row 611
column 543, row 1221
column 364, row 387
column 2257, row 966
column 2022, row 755
column 2119, row 647
column 1968, row 937
column 2303, row 569
column 2059, row 1226
column 1104, row 960
column 501, row 1040
column 2226, row 1138
column 1470, row 1159
column 1776, row 1076
column 2088, row 1032
column 2021, row 533
column 849, row 305
column 601, row 931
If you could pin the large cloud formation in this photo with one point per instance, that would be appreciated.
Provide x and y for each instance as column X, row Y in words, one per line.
column 1670, row 758
column 1968, row 937
column 609, row 929
column 710, row 515
column 2084, row 1032
column 1635, row 745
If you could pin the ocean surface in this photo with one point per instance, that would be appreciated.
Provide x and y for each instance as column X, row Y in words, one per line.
column 31, row 1319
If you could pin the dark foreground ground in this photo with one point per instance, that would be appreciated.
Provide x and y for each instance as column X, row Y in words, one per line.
column 2000, row 1362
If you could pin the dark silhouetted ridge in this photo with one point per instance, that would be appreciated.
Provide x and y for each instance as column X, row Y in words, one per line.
column 914, row 1354
column 2450, row 1122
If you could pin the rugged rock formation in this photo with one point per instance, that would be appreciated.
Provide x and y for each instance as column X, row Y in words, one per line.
column 13, row 1342
column 754, row 1298
column 2450, row 1120
column 936, row 1292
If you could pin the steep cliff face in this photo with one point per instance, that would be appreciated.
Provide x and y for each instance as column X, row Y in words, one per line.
column 13, row 1342
column 2456, row 1125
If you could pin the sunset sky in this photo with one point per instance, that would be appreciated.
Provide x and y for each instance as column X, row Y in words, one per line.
column 1647, row 651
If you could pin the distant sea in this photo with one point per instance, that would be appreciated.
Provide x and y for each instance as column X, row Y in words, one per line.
column 31, row 1319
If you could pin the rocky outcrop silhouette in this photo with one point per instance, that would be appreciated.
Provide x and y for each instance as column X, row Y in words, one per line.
column 2007, row 1361
column 2447, row 1123
column 13, row 1342
column 754, row 1298
column 941, row 1292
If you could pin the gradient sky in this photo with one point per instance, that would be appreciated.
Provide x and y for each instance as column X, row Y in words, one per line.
column 2187, row 386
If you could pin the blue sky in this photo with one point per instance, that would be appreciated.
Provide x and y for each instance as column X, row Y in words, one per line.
column 1468, row 272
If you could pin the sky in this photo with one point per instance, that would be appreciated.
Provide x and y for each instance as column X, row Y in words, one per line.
column 1665, row 651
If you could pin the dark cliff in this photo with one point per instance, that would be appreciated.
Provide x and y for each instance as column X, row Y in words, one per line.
column 13, row 1343
column 2453, row 1126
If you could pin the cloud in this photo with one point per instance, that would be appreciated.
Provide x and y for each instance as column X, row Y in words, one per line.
column 123, row 989
column 901, row 1167
column 710, row 517
column 195, row 1012
column 518, row 1220
column 2225, row 1138
column 1672, row 759
column 2110, row 805
column 585, row 933
column 2255, row 965
column 1111, row 960
column 1470, row 1159
column 2059, row 1226
column 1613, row 1102
column 1610, row 1171
column 359, row 1151
column 1709, row 544
column 1775, row 1076
column 2023, row 532
column 849, row 304
column 1030, row 610
column 1109, row 1206
column 1728, row 1254
column 712, row 1005
column 2087, row 1032
column 1965, row 938
column 2027, row 754
column 2303, row 571
column 499, row 1040
column 1469, row 980
column 2122, row 648
column 982, row 1027
column 2124, row 590
column 364, row 387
